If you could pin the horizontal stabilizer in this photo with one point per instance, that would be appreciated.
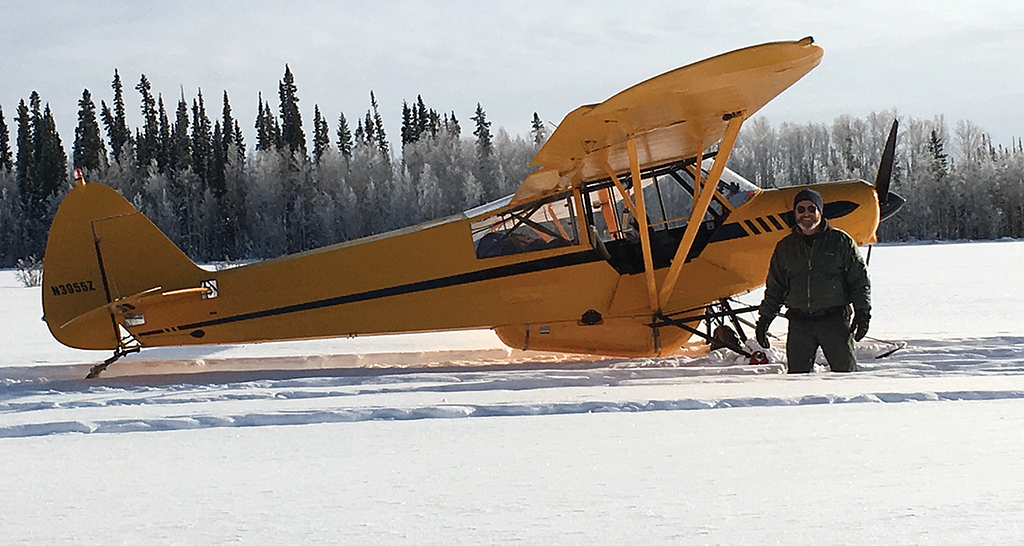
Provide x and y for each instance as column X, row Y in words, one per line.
column 124, row 309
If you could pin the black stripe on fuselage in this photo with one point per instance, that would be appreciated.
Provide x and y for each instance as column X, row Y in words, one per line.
column 554, row 262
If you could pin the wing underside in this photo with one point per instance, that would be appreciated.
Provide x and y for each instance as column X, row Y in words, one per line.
column 672, row 116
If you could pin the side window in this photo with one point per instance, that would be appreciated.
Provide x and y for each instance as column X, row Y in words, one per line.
column 540, row 225
column 672, row 202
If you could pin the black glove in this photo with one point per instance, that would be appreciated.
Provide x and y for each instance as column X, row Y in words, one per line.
column 859, row 328
column 761, row 331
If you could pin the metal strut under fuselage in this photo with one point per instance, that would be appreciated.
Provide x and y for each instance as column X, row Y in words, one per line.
column 713, row 313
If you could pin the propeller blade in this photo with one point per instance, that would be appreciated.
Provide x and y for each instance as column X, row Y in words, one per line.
column 885, row 169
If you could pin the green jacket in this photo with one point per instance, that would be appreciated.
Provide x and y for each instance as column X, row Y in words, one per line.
column 816, row 279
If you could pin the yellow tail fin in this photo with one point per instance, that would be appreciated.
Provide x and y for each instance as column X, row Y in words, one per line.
column 101, row 249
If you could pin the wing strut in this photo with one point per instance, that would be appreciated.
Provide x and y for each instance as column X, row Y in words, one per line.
column 700, row 206
column 641, row 219
column 622, row 190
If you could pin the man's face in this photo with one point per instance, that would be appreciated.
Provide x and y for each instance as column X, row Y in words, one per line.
column 807, row 216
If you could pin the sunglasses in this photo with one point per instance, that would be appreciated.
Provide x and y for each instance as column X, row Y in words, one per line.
column 800, row 209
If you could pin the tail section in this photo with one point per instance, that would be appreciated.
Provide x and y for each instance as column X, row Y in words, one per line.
column 100, row 249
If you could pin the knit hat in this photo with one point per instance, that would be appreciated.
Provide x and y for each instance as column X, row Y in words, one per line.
column 807, row 194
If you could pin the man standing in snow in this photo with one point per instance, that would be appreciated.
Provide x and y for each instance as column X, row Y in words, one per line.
column 817, row 272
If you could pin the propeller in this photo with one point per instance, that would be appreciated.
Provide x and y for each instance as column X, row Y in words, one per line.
column 888, row 202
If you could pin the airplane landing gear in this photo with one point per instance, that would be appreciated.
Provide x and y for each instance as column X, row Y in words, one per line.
column 718, row 334
column 126, row 346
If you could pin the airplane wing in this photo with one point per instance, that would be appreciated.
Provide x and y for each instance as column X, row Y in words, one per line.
column 672, row 116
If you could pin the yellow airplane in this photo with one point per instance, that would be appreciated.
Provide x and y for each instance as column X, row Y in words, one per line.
column 576, row 261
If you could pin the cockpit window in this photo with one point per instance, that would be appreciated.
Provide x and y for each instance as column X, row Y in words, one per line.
column 668, row 199
column 733, row 187
column 539, row 225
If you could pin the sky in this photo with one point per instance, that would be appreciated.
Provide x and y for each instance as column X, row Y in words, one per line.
column 924, row 58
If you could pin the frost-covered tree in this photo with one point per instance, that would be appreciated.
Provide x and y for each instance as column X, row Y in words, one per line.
column 513, row 156
column 265, row 209
column 431, row 203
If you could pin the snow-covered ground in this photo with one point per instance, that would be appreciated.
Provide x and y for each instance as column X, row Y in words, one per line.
column 452, row 439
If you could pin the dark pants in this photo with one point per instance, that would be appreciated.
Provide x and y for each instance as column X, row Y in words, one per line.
column 832, row 335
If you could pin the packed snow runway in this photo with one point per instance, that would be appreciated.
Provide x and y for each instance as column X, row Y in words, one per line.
column 979, row 369
column 452, row 439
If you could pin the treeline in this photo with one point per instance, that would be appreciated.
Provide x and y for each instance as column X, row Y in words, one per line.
column 194, row 177
column 957, row 185
column 197, row 180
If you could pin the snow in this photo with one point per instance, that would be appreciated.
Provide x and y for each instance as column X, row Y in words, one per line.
column 452, row 439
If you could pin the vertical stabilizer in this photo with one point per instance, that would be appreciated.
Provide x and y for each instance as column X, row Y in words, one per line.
column 100, row 249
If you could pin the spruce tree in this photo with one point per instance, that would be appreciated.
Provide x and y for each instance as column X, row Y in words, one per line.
column 88, row 152
column 227, row 123
column 484, row 141
column 378, row 129
column 115, row 123
column 218, row 159
column 537, row 130
column 409, row 127
column 939, row 159
column 164, row 144
column 6, row 159
column 41, row 169
column 25, row 162
column 201, row 142
column 433, row 122
column 321, row 134
column 451, row 124
column 239, row 143
column 369, row 130
column 291, row 120
column 148, row 142
column 262, row 143
column 360, row 134
column 344, row 137
column 268, row 133
column 181, row 146
column 52, row 162
column 486, row 168
column 424, row 118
